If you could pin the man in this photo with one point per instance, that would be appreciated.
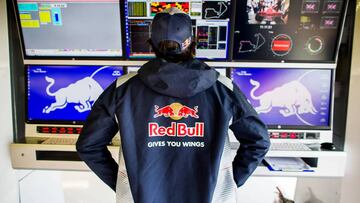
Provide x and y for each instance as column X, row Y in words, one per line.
column 173, row 117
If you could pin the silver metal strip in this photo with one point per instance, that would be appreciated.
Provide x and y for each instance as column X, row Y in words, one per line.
column 83, row 62
column 210, row 63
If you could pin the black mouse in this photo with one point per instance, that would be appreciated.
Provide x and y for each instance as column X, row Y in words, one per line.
column 327, row 146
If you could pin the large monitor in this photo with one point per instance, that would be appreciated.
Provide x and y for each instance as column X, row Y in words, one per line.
column 70, row 28
column 288, row 30
column 65, row 94
column 288, row 98
column 211, row 26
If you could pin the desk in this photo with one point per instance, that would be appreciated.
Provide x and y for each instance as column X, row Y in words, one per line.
column 324, row 163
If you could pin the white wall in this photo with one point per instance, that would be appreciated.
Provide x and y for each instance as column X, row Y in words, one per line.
column 50, row 186
column 259, row 189
column 350, row 190
column 318, row 190
column 8, row 181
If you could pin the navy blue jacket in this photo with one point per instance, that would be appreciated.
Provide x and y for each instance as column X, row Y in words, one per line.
column 173, row 121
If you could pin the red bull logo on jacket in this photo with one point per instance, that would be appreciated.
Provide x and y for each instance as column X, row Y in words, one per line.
column 176, row 130
column 176, row 111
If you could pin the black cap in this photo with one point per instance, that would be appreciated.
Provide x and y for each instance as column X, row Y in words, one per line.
column 171, row 24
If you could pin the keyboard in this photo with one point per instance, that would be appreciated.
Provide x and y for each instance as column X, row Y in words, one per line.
column 60, row 141
column 289, row 147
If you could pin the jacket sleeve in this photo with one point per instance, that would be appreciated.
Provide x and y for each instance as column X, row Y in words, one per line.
column 97, row 133
column 253, row 136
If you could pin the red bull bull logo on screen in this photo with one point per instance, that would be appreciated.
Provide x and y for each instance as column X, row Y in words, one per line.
column 176, row 111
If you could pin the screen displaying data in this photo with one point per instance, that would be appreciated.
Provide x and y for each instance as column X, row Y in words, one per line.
column 66, row 93
column 210, row 21
column 295, row 30
column 288, row 97
column 71, row 28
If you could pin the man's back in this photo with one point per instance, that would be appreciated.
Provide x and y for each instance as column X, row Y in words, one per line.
column 173, row 118
column 173, row 121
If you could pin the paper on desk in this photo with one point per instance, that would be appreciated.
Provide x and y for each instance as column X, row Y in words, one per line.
column 287, row 164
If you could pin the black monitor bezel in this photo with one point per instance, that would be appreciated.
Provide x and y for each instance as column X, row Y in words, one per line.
column 336, row 49
column 41, row 121
column 229, row 41
column 25, row 56
column 299, row 127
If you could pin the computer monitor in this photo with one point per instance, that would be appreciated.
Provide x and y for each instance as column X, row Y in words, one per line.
column 65, row 94
column 288, row 98
column 210, row 19
column 70, row 28
column 288, row 30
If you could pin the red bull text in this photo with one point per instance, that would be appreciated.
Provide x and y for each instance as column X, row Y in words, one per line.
column 176, row 111
column 176, row 130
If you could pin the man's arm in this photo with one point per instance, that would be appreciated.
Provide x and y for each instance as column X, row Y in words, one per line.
column 99, row 129
column 253, row 136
